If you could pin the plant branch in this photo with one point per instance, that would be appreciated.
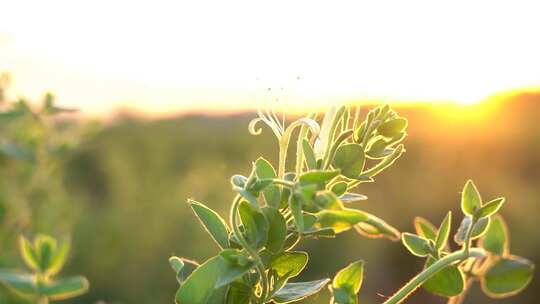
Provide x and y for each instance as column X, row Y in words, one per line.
column 427, row 273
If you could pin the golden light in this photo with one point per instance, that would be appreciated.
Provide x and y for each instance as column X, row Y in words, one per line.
column 163, row 56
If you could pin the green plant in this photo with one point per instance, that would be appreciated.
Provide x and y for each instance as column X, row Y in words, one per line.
column 45, row 257
column 275, row 209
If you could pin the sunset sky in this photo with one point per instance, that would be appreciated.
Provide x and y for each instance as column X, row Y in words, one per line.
column 169, row 56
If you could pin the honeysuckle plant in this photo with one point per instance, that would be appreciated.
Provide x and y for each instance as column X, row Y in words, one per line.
column 45, row 258
column 274, row 210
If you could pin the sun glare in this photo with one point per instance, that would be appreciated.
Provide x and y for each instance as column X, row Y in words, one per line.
column 160, row 56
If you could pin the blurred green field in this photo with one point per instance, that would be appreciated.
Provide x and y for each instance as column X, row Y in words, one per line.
column 128, row 186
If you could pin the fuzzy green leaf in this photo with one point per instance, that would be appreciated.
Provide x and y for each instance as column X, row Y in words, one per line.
column 28, row 253
column 507, row 277
column 340, row 188
column 350, row 159
column 309, row 154
column 444, row 232
column 375, row 228
column 417, row 245
column 392, row 127
column 292, row 292
column 199, row 286
column 318, row 176
column 425, row 228
column 352, row 197
column 470, row 198
column 289, row 264
column 448, row 282
column 212, row 222
column 490, row 208
column 277, row 232
column 65, row 288
column 264, row 170
column 255, row 224
column 21, row 283
column 340, row 220
column 350, row 278
column 496, row 238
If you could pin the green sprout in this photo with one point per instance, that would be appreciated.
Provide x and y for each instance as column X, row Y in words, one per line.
column 274, row 210
column 45, row 257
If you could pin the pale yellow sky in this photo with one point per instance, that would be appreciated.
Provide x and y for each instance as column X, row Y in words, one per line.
column 166, row 56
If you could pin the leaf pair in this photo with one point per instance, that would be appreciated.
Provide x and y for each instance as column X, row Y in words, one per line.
column 347, row 283
column 45, row 257
column 506, row 274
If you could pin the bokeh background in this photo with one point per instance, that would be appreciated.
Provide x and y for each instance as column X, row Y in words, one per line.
column 166, row 89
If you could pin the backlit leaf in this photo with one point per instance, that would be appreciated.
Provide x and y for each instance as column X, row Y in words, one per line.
column 415, row 244
column 470, row 198
column 496, row 238
column 448, row 282
column 350, row 159
column 277, row 231
column 289, row 264
column 292, row 292
column 490, row 208
column 424, row 228
column 212, row 222
column 507, row 277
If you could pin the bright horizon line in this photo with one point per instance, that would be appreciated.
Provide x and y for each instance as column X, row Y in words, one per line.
column 161, row 56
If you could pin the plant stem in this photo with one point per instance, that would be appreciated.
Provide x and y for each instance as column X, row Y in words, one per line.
column 427, row 273
column 252, row 252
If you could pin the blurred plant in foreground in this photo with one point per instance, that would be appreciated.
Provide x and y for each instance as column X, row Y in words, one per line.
column 45, row 257
column 34, row 144
column 275, row 209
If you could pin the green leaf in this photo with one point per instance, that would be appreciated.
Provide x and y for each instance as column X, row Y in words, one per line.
column 46, row 248
column 327, row 200
column 28, row 253
column 480, row 227
column 490, row 208
column 264, row 170
column 496, row 238
column 295, row 205
column 340, row 220
column 340, row 188
column 350, row 278
column 449, row 282
column 238, row 294
column 239, row 181
column 470, row 198
column 212, row 222
column 417, row 245
column 235, row 266
column 65, row 288
column 392, row 127
column 425, row 228
column 375, row 228
column 277, row 230
column 463, row 230
column 289, row 264
column 20, row 283
column 507, row 277
column 176, row 264
column 255, row 224
column 59, row 258
column 318, row 176
column 182, row 267
column 309, row 154
column 350, row 159
column 385, row 162
column 444, row 232
column 378, row 149
column 292, row 292
column 352, row 197
column 199, row 286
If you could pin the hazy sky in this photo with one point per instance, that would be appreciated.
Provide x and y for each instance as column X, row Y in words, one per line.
column 161, row 56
